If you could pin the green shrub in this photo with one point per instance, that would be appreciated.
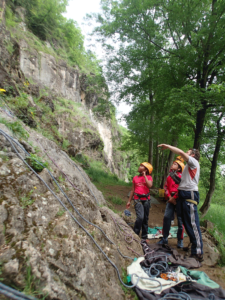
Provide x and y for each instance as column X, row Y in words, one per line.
column 36, row 163
column 15, row 127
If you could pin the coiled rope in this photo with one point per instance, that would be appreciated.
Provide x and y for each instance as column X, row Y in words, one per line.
column 178, row 296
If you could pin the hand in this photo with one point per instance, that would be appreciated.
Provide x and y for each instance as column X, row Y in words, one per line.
column 164, row 146
column 144, row 173
column 172, row 200
column 128, row 205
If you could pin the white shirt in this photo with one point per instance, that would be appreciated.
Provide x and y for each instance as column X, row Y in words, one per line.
column 190, row 175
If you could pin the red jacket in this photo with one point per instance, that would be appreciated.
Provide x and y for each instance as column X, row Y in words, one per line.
column 171, row 186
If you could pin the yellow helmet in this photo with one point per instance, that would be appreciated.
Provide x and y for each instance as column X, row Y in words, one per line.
column 180, row 161
column 148, row 166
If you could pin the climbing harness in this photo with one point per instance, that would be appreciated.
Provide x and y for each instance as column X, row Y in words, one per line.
column 141, row 196
column 13, row 294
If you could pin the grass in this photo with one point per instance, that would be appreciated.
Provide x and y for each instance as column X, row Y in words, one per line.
column 60, row 213
column 215, row 215
column 129, row 292
column 30, row 285
column 116, row 200
column 27, row 200
column 98, row 175
column 15, row 127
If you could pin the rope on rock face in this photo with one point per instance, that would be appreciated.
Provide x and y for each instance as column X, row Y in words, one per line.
column 70, row 202
column 13, row 294
column 57, row 166
column 124, row 256
column 64, row 206
column 74, row 187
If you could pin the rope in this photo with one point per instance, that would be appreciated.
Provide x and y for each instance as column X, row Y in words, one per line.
column 72, row 216
column 70, row 202
column 58, row 166
column 13, row 294
column 178, row 296
column 71, row 184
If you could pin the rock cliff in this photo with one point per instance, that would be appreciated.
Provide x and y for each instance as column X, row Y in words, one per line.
column 26, row 60
column 49, row 231
column 58, row 238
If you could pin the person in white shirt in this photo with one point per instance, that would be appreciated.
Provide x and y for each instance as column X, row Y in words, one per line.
column 189, row 196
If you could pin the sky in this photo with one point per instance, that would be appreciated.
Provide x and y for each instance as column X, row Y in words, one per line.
column 77, row 10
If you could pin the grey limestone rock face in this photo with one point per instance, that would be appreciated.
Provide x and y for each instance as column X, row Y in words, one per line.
column 40, row 234
column 47, row 72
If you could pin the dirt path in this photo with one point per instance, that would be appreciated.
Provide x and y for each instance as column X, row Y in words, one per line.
column 215, row 273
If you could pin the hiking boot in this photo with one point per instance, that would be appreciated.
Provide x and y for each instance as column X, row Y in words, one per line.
column 198, row 257
column 180, row 244
column 187, row 248
column 163, row 241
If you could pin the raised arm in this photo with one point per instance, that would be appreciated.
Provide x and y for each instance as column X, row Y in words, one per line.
column 175, row 150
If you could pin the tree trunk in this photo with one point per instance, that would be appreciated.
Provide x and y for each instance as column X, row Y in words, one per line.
column 169, row 163
column 150, row 153
column 205, row 207
column 200, row 119
column 157, row 164
column 161, row 168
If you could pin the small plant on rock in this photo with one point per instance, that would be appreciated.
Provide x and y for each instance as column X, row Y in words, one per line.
column 60, row 213
column 36, row 163
column 27, row 200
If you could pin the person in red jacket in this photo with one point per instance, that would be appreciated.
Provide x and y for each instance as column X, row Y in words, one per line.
column 140, row 191
column 171, row 194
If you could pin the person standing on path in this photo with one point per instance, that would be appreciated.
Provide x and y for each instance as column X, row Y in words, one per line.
column 171, row 194
column 140, row 191
column 188, row 195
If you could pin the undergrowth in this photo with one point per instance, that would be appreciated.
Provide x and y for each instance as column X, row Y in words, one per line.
column 127, row 291
column 15, row 127
column 30, row 285
column 116, row 200
column 216, row 215
column 98, row 175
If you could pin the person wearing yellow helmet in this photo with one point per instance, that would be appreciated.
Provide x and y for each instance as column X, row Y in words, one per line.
column 140, row 192
column 188, row 197
column 171, row 194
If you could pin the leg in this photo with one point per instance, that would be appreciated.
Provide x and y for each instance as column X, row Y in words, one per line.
column 180, row 231
column 169, row 212
column 140, row 216
column 192, row 226
column 146, row 205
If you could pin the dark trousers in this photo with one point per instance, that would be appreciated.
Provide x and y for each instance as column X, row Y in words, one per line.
column 191, row 220
column 169, row 216
column 142, row 212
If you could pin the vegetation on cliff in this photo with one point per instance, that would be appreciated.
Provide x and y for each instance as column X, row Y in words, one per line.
column 44, row 18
